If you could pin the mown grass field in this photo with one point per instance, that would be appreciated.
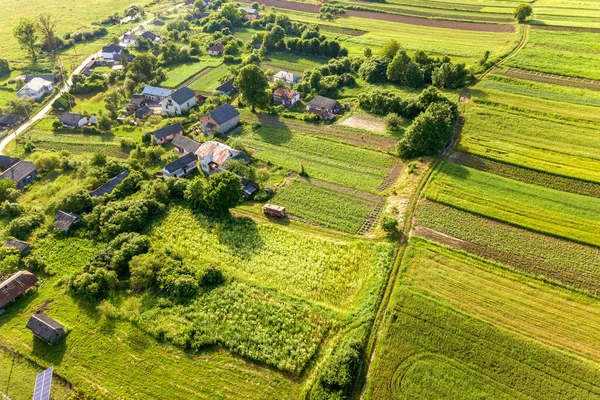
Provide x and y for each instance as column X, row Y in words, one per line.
column 572, row 13
column 330, row 205
column 210, row 80
column 335, row 162
column 297, row 63
column 563, row 261
column 539, row 126
column 439, row 342
column 560, row 52
column 545, row 210
column 460, row 45
column 181, row 73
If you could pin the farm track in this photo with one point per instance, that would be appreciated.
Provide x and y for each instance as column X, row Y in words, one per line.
column 401, row 19
column 553, row 78
column 518, row 47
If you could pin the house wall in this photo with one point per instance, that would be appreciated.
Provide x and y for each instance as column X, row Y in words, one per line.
column 82, row 122
column 180, row 172
column 229, row 125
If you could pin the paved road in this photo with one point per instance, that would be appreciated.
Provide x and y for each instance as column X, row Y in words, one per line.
column 44, row 111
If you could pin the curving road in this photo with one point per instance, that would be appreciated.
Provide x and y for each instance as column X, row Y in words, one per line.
column 44, row 111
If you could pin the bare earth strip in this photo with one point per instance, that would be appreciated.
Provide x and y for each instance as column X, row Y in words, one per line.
column 402, row 19
column 553, row 78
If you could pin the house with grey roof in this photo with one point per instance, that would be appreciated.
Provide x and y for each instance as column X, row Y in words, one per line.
column 46, row 328
column 227, row 88
column 213, row 155
column 110, row 185
column 324, row 107
column 8, row 121
column 183, row 166
column 19, row 171
column 220, row 120
column 168, row 133
column 111, row 51
column 64, row 220
column 179, row 102
column 184, row 145
column 36, row 89
column 70, row 120
column 156, row 94
column 23, row 247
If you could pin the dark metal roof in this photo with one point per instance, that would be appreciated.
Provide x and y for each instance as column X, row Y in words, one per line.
column 143, row 112
column 112, row 48
column 167, row 130
column 15, row 286
column 186, row 144
column 180, row 163
column 71, row 119
column 223, row 113
column 46, row 77
column 64, row 220
column 227, row 87
column 20, row 170
column 45, row 328
column 149, row 35
column 182, row 95
column 117, row 56
column 109, row 186
column 250, row 188
column 9, row 119
column 7, row 162
column 323, row 102
column 23, row 247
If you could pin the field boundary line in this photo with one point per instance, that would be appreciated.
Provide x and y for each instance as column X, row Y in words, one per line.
column 510, row 54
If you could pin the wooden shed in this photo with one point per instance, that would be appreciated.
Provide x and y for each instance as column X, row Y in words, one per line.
column 47, row 329
column 15, row 286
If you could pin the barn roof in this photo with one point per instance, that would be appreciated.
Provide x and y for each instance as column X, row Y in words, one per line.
column 23, row 247
column 16, row 285
column 323, row 102
column 219, row 153
column 64, row 220
column 45, row 327
column 71, row 119
column 180, row 163
column 18, row 171
column 167, row 130
column 110, row 185
column 186, row 144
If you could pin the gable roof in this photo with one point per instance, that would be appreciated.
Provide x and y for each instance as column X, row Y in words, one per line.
column 156, row 91
column 7, row 162
column 71, row 119
column 130, row 36
column 112, row 48
column 250, row 188
column 223, row 113
column 186, row 144
column 323, row 103
column 45, row 328
column 22, row 169
column 217, row 47
column 64, row 220
column 180, row 163
column 286, row 76
column 149, row 35
column 285, row 93
column 16, row 285
column 36, row 84
column 130, row 57
column 23, row 247
column 110, row 185
column 227, row 87
column 9, row 119
column 218, row 153
column 167, row 131
column 248, row 10
column 182, row 95
column 46, row 77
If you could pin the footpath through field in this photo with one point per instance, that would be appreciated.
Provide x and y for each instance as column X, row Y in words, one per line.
column 402, row 19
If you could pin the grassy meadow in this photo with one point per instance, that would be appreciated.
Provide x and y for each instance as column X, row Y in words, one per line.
column 181, row 73
column 569, row 13
column 210, row 79
column 481, row 334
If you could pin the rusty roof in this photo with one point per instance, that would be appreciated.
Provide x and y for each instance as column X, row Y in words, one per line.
column 16, row 286
column 285, row 93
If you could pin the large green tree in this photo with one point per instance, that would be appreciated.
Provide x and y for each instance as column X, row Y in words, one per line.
column 26, row 34
column 253, row 85
column 223, row 191
column 428, row 133
column 390, row 49
column 523, row 12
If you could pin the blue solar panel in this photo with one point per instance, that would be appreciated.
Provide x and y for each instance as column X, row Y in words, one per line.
column 42, row 385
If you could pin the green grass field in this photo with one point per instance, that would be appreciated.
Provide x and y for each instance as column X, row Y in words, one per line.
column 534, row 207
column 181, row 73
column 297, row 63
column 461, row 328
column 330, row 205
column 572, row 13
column 335, row 162
column 210, row 80
column 576, row 51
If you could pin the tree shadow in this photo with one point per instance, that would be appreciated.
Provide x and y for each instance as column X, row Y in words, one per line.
column 240, row 235
column 278, row 134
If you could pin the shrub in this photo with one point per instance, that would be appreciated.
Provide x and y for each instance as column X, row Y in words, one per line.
column 393, row 122
column 374, row 69
column 389, row 225
column 8, row 209
column 122, row 216
column 428, row 132
column 22, row 227
column 8, row 190
column 94, row 285
column 78, row 202
column 212, row 277
column 523, row 12
column 223, row 191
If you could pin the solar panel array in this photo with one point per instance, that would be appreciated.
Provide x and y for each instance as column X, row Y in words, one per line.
column 42, row 385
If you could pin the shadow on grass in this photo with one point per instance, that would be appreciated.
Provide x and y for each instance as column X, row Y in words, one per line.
column 52, row 354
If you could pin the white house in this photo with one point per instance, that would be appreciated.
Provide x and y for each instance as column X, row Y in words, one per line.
column 35, row 89
column 183, row 166
column 179, row 102
column 156, row 94
column 112, row 51
column 287, row 78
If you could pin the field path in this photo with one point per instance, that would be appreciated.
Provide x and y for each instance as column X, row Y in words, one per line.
column 44, row 111
column 402, row 19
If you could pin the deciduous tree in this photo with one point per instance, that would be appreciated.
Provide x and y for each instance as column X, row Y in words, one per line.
column 26, row 34
column 253, row 85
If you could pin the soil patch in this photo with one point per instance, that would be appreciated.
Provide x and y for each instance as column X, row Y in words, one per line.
column 364, row 122
column 553, row 78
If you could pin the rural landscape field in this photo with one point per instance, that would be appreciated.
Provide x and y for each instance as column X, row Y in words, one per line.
column 277, row 199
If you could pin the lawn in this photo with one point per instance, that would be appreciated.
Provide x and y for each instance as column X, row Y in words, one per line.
column 335, row 162
column 210, row 79
column 533, row 207
column 330, row 205
column 578, row 53
column 563, row 261
column 463, row 329
column 177, row 75
column 297, row 63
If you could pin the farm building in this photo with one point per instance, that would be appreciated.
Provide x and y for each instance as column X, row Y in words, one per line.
column 64, row 220
column 45, row 328
column 222, row 119
column 47, row 77
column 70, row 120
column 180, row 101
column 112, row 52
column 183, row 166
column 137, row 101
column 36, row 89
column 8, row 121
column 19, row 171
column 216, row 50
column 286, row 77
column 156, row 94
column 250, row 188
column 184, row 145
column 16, row 285
column 324, row 107
column 286, row 97
column 227, row 88
column 166, row 134
column 150, row 36
column 249, row 11
column 213, row 155
column 274, row 211
column 23, row 247
column 110, row 185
